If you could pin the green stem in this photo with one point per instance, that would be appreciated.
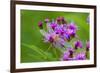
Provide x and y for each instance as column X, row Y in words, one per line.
column 49, row 47
column 55, row 52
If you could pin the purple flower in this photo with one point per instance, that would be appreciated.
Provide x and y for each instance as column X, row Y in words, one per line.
column 47, row 20
column 51, row 39
column 67, row 36
column 78, row 44
column 80, row 56
column 40, row 24
column 48, row 38
column 59, row 42
column 68, row 55
column 72, row 26
column 71, row 52
column 65, row 56
column 87, row 45
column 58, row 20
column 59, row 30
column 63, row 20
column 71, row 32
column 53, row 25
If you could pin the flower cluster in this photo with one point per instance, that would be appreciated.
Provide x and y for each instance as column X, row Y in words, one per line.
column 59, row 33
column 71, row 53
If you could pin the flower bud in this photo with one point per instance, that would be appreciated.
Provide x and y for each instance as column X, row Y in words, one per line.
column 40, row 24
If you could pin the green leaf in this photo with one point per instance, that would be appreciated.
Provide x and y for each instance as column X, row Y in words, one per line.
column 45, row 55
column 34, row 48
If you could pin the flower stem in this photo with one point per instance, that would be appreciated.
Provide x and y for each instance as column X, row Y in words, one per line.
column 49, row 47
column 55, row 52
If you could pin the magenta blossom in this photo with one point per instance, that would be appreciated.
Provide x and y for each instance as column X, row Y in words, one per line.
column 63, row 20
column 71, row 29
column 81, row 56
column 53, row 25
column 71, row 52
column 65, row 56
column 58, row 19
column 67, row 36
column 71, row 32
column 68, row 55
column 49, row 38
column 47, row 20
column 72, row 26
column 40, row 24
column 78, row 44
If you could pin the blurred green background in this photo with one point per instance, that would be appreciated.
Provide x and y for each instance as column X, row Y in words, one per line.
column 33, row 49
